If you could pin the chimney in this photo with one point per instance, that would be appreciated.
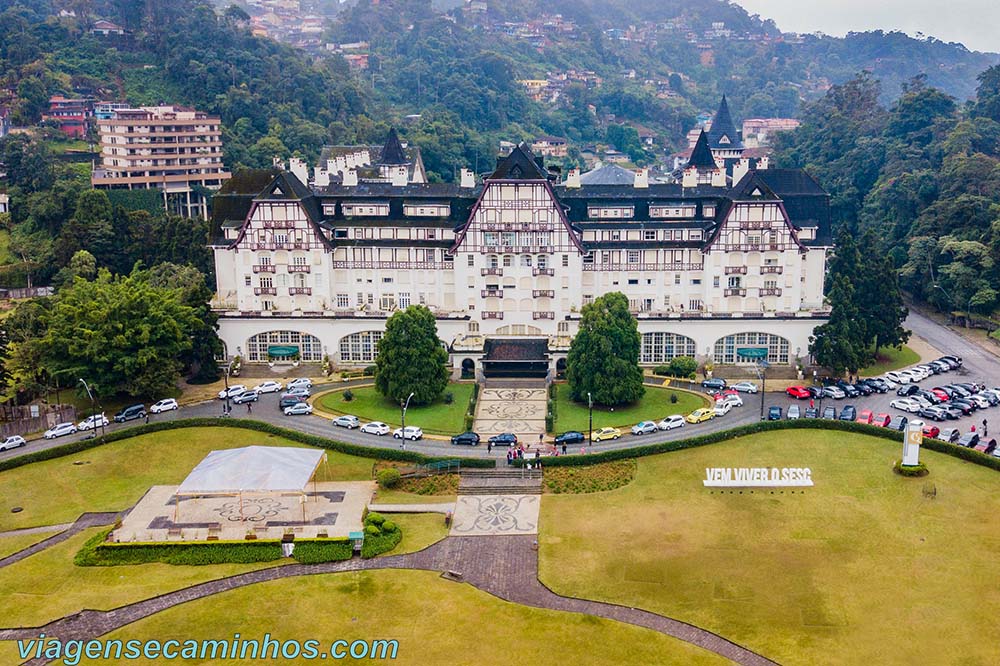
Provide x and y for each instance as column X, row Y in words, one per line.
column 399, row 176
column 350, row 178
column 741, row 169
column 763, row 162
column 321, row 177
column 299, row 169
column 690, row 178
column 719, row 178
column 468, row 179
column 340, row 164
column 278, row 163
column 573, row 179
column 641, row 179
column 349, row 161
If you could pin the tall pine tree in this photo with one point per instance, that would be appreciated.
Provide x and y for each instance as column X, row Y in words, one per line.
column 839, row 344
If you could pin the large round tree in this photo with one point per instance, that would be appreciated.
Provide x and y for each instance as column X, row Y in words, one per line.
column 411, row 358
column 603, row 359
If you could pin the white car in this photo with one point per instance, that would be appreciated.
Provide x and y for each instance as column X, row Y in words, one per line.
column 59, row 430
column 733, row 400
column 164, row 405
column 671, row 422
column 231, row 391
column 644, row 428
column 375, row 428
column 267, row 387
column 301, row 382
column 922, row 401
column 888, row 382
column 297, row 391
column 746, row 387
column 299, row 409
column 93, row 421
column 12, row 442
column 980, row 400
column 913, row 375
column 722, row 407
column 412, row 432
column 906, row 404
column 898, row 377
column 347, row 421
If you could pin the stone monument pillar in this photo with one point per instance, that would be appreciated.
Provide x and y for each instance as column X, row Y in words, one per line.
column 912, row 439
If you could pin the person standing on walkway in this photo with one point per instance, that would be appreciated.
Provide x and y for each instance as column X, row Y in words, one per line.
column 489, row 446
column 564, row 448
column 984, row 429
column 249, row 411
column 510, row 457
column 147, row 417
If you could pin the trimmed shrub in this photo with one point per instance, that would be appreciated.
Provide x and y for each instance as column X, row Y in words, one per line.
column 673, row 398
column 682, row 366
column 372, row 530
column 315, row 551
column 348, row 395
column 388, row 478
column 449, row 397
column 919, row 469
column 383, row 543
column 369, row 371
column 374, row 518
column 97, row 553
column 389, row 526
column 469, row 420
column 662, row 370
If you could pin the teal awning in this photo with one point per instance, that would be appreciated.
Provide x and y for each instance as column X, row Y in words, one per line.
column 282, row 350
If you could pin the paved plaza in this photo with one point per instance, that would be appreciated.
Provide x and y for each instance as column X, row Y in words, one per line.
column 492, row 515
column 517, row 410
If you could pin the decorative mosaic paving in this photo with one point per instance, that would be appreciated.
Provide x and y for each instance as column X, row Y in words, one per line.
column 490, row 515
column 517, row 410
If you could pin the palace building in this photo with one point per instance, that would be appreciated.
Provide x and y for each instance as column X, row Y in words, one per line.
column 733, row 256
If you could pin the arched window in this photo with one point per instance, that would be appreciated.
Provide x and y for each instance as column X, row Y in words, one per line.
column 360, row 347
column 284, row 345
column 473, row 327
column 661, row 347
column 727, row 348
column 526, row 260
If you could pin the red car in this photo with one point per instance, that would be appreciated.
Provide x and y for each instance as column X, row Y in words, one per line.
column 881, row 420
column 931, row 431
column 798, row 392
column 865, row 416
column 940, row 394
column 721, row 395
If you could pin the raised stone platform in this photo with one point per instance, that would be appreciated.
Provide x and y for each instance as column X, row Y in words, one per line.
column 492, row 515
column 520, row 410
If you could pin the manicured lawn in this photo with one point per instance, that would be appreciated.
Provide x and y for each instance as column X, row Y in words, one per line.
column 824, row 576
column 434, row 621
column 890, row 358
column 419, row 530
column 11, row 544
column 653, row 406
column 369, row 405
column 114, row 476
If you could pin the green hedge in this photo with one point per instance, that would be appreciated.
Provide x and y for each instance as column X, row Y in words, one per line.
column 246, row 424
column 315, row 551
column 969, row 455
column 380, row 543
column 96, row 553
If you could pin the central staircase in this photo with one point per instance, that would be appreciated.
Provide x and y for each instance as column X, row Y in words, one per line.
column 500, row 481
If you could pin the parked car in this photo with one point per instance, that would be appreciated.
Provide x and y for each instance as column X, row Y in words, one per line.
column 881, row 420
column 245, row 397
column 699, row 415
column 930, row 430
column 865, row 416
column 375, row 428
column 981, row 401
column 906, row 404
column 848, row 413
column 466, row 439
column 798, row 392
column 932, row 413
column 12, row 442
column 888, row 382
column 811, row 413
column 949, row 435
column 863, row 388
column 774, row 413
column 877, row 384
column 571, row 437
column 59, row 430
column 834, row 392
column 815, row 392
column 830, row 413
column 793, row 412
column 898, row 378
column 348, row 421
column 165, row 405
column 951, row 358
column 723, row 407
column 956, row 409
column 907, row 390
column 645, row 427
column 897, row 423
column 605, row 433
column 969, row 440
column 288, row 401
column 671, row 422
column 231, row 391
column 746, row 387
column 93, row 421
column 714, row 383
column 504, row 439
column 929, row 396
column 130, row 413
column 299, row 382
column 849, row 389
column 269, row 386
column 300, row 391
column 733, row 400
column 412, row 433
column 298, row 409
column 984, row 446
column 941, row 393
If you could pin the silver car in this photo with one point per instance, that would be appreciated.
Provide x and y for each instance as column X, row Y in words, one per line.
column 347, row 421
column 12, row 442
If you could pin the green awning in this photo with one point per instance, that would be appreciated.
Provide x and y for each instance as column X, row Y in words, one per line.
column 282, row 350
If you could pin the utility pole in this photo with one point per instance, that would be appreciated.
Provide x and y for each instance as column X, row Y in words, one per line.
column 590, row 430
column 404, row 406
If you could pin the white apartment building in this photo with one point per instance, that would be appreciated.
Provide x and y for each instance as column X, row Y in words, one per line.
column 174, row 149
column 716, row 263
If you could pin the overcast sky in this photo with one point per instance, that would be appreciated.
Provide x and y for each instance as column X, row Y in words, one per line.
column 975, row 23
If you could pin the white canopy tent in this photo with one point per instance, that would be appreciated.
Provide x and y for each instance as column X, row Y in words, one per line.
column 251, row 470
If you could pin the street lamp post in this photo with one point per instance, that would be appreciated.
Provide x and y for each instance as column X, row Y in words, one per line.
column 590, row 430
column 404, row 406
column 93, row 409
column 226, row 408
column 816, row 384
column 968, row 308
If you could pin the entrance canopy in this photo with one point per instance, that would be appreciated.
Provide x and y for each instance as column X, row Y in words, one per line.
column 516, row 357
column 252, row 469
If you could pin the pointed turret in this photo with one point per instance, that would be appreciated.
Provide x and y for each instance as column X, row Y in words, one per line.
column 723, row 135
column 519, row 165
column 392, row 152
column 701, row 156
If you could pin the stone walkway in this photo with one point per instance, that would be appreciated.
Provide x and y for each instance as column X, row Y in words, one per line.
column 413, row 508
column 44, row 529
column 517, row 410
column 85, row 521
column 504, row 566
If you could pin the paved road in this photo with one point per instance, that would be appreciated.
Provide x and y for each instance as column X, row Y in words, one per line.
column 979, row 365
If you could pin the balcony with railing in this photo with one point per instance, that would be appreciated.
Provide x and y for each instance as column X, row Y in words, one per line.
column 764, row 270
column 543, row 293
column 736, row 270
column 755, row 224
column 770, row 291
column 543, row 271
column 298, row 268
column 543, row 315
column 734, row 292
column 491, row 271
column 492, row 293
column 263, row 268
column 306, row 291
column 279, row 224
column 492, row 315
column 262, row 291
